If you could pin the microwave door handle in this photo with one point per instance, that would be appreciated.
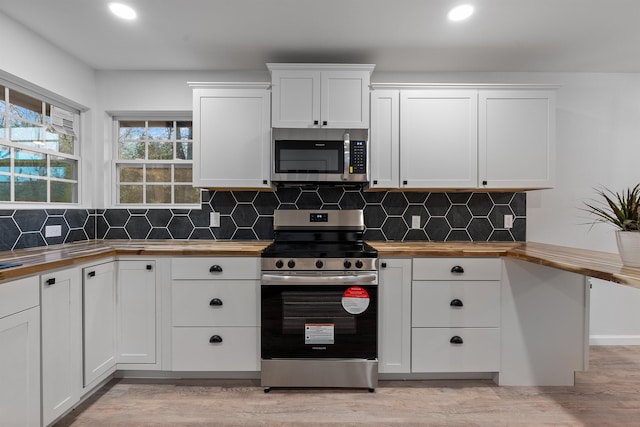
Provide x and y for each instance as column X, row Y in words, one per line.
column 347, row 160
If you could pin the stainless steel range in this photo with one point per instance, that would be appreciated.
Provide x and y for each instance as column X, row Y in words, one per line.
column 319, row 302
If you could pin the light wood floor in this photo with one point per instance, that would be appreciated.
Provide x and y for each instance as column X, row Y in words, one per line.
column 607, row 395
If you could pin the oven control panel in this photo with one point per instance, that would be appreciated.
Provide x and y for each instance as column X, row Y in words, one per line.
column 316, row 264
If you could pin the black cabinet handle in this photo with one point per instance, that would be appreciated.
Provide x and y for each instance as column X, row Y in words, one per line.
column 215, row 339
column 383, row 265
column 404, row 182
column 315, row 122
column 264, row 181
column 457, row 269
column 215, row 301
column 324, row 123
column 149, row 267
column 456, row 340
column 456, row 303
column 51, row 281
column 375, row 181
column 91, row 274
column 215, row 269
column 484, row 182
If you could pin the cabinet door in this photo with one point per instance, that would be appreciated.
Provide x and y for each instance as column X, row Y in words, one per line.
column 295, row 98
column 61, row 314
column 439, row 139
column 394, row 316
column 345, row 99
column 136, row 312
column 517, row 138
column 231, row 138
column 99, row 320
column 20, row 368
column 385, row 139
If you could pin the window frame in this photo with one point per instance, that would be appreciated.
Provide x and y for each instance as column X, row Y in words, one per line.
column 116, row 162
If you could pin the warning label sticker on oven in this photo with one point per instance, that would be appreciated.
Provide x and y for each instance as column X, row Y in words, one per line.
column 318, row 333
column 355, row 300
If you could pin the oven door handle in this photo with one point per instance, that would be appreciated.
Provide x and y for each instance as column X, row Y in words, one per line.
column 280, row 279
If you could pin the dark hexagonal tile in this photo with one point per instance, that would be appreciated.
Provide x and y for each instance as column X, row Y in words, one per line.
column 64, row 230
column 30, row 220
column 288, row 194
column 263, row 228
column 55, row 212
column 159, row 217
column 459, row 198
column 180, row 211
column 201, row 234
column 90, row 227
column 9, row 232
column 245, row 234
column 331, row 207
column 101, row 227
column 437, row 204
column 459, row 216
column 416, row 197
column 138, row 227
column 159, row 233
column 117, row 233
column 437, row 229
column 330, row 194
column 415, row 235
column 496, row 216
column 116, row 217
column 501, row 198
column 29, row 240
column 519, row 230
column 395, row 203
column 76, row 235
column 76, row 218
column 480, row 204
column 266, row 202
column 137, row 211
column 6, row 212
column 352, row 200
column 374, row 196
column 287, row 206
column 180, row 227
column 244, row 215
column 458, row 236
column 394, row 228
column 374, row 235
column 223, row 202
column 309, row 200
column 418, row 210
column 501, row 236
column 245, row 196
column 226, row 230
column 374, row 216
column 480, row 229
column 519, row 204
column 201, row 217
column 206, row 195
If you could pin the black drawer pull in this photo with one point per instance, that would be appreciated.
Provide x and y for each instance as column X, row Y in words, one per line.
column 215, row 339
column 456, row 340
column 215, row 269
column 315, row 122
column 215, row 301
column 149, row 267
column 383, row 265
column 456, row 303
column 457, row 269
column 51, row 281
column 91, row 274
column 324, row 123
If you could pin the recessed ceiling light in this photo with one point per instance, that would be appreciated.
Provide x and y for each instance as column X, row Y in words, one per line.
column 460, row 13
column 122, row 11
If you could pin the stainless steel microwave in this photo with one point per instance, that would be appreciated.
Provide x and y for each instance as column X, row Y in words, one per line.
column 320, row 161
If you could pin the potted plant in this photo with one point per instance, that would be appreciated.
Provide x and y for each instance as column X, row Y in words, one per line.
column 622, row 210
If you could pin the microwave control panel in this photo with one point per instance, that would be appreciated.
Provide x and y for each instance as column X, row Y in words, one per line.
column 358, row 156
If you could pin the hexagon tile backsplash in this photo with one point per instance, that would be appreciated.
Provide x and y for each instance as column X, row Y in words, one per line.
column 248, row 215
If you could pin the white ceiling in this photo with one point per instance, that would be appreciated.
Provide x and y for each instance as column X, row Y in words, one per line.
column 396, row 35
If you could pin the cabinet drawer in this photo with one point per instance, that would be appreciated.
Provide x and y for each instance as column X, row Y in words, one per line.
column 448, row 268
column 19, row 295
column 215, row 303
column 455, row 304
column 206, row 268
column 238, row 350
column 432, row 350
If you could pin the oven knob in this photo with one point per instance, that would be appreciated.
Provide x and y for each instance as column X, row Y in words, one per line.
column 347, row 264
column 359, row 264
column 319, row 264
column 291, row 263
column 279, row 263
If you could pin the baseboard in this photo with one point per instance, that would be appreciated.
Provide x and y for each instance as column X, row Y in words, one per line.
column 614, row 339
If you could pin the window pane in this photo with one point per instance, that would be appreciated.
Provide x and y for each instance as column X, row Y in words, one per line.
column 131, row 194
column 187, row 194
column 25, row 107
column 59, row 142
column 63, row 168
column 183, row 174
column 158, row 173
column 63, row 192
column 30, row 163
column 131, row 131
column 158, row 194
column 5, row 188
column 25, row 133
column 130, row 173
column 160, row 150
column 5, row 159
column 30, row 190
column 161, row 130
column 131, row 150
column 184, row 150
column 3, row 132
column 185, row 130
column 3, row 106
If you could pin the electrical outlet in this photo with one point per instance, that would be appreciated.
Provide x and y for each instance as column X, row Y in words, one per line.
column 508, row 221
column 415, row 221
column 214, row 219
column 53, row 231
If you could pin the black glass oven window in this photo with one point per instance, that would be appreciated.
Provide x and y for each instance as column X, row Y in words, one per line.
column 300, row 308
column 309, row 157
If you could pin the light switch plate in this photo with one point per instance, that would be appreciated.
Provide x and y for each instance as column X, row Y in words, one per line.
column 415, row 221
column 53, row 231
column 214, row 219
column 508, row 221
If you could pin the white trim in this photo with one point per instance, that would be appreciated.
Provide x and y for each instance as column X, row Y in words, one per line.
column 614, row 340
column 230, row 85
column 375, row 86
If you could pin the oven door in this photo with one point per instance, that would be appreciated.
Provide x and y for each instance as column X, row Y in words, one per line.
column 313, row 320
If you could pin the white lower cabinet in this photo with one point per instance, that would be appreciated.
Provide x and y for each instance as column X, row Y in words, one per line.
column 61, row 316
column 20, row 352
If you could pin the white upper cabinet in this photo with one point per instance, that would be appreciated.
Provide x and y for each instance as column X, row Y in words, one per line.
column 385, row 139
column 439, row 138
column 517, row 138
column 232, row 136
column 320, row 95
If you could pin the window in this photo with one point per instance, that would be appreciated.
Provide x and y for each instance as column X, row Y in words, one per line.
column 38, row 150
column 154, row 165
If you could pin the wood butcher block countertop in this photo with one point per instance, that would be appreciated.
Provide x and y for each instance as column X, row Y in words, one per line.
column 601, row 265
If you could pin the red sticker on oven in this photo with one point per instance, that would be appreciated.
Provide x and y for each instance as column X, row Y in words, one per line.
column 355, row 300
